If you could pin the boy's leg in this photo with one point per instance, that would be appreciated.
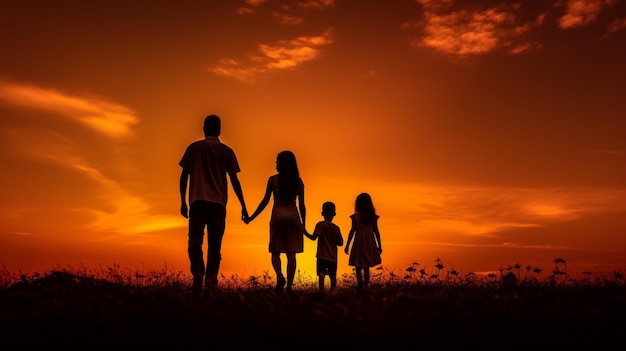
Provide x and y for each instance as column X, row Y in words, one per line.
column 333, row 281
column 332, row 274
column 321, row 281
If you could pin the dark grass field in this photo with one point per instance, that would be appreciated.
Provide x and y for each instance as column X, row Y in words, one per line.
column 78, row 310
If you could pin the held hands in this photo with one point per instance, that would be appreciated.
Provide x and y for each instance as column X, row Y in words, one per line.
column 246, row 219
column 307, row 234
column 244, row 216
column 346, row 250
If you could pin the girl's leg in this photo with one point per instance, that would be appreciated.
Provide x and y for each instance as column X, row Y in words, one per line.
column 366, row 277
column 277, row 265
column 291, row 269
column 359, row 277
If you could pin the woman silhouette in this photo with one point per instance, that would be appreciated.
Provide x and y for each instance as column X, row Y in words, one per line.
column 288, row 220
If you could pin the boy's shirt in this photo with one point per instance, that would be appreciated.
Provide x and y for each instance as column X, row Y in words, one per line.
column 329, row 238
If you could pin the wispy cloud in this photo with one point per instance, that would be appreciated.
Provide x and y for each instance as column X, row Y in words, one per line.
column 581, row 12
column 23, row 234
column 282, row 55
column 108, row 118
column 469, row 29
column 287, row 12
column 487, row 211
column 130, row 213
column 250, row 6
column 464, row 32
column 616, row 25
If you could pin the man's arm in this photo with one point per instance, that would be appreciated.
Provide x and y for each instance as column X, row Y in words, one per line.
column 234, row 180
column 184, row 176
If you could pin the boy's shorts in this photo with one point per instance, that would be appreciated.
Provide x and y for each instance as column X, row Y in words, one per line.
column 326, row 267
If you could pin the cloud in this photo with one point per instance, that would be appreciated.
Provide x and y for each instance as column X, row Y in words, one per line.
column 130, row 213
column 104, row 117
column 581, row 12
column 250, row 7
column 287, row 19
column 486, row 211
column 49, row 146
column 469, row 29
column 288, row 12
column 615, row 26
column 23, row 234
column 282, row 55
column 461, row 32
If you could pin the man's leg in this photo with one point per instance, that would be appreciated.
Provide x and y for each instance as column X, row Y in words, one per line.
column 215, row 231
column 197, row 222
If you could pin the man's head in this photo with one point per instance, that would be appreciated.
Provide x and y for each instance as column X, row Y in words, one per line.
column 328, row 209
column 212, row 126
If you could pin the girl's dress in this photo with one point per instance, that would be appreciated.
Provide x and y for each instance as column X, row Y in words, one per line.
column 364, row 251
column 286, row 232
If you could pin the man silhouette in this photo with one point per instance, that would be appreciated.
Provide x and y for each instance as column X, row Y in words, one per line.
column 205, row 165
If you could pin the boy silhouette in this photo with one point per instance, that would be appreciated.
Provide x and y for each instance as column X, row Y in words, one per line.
column 328, row 237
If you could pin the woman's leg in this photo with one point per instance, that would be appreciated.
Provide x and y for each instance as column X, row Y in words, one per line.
column 291, row 268
column 277, row 265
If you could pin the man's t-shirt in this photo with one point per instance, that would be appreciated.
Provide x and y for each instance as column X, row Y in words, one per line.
column 209, row 162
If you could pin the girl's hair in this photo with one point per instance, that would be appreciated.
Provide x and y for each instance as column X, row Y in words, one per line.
column 365, row 208
column 288, row 175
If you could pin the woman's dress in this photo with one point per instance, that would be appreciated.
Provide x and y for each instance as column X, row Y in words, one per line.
column 286, row 232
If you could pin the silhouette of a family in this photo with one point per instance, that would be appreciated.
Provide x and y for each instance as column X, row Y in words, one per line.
column 208, row 165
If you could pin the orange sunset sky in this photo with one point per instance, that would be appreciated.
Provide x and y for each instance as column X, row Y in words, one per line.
column 488, row 133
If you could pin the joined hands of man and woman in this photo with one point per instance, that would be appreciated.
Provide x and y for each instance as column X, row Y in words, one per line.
column 247, row 219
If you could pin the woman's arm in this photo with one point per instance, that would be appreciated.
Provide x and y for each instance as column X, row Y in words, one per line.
column 311, row 236
column 263, row 203
column 301, row 205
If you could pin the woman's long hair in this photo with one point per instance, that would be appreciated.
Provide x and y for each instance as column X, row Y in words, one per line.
column 365, row 208
column 288, row 175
